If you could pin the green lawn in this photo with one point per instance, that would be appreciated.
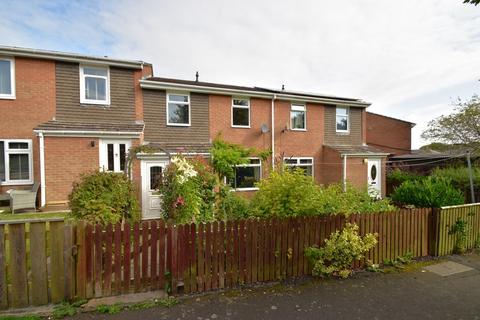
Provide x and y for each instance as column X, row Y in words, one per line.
column 7, row 215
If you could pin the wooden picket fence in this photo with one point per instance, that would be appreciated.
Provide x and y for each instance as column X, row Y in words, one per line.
column 47, row 262
column 446, row 218
column 37, row 264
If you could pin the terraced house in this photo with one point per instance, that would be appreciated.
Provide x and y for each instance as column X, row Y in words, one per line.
column 65, row 114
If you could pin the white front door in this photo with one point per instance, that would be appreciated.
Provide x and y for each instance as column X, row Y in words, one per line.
column 151, row 177
column 374, row 177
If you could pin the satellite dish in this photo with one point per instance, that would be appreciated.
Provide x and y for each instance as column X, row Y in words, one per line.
column 264, row 128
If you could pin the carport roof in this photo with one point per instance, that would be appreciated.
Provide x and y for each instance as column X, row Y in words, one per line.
column 360, row 150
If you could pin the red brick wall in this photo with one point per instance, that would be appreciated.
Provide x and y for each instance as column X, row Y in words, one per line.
column 65, row 160
column 332, row 167
column 34, row 104
column 388, row 134
column 137, row 76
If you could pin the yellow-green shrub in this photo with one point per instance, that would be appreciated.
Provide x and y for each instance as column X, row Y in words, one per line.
column 340, row 251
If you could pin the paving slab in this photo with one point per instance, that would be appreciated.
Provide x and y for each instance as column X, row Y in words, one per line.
column 124, row 299
column 448, row 268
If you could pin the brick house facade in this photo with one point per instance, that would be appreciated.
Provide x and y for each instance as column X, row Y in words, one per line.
column 82, row 113
column 398, row 141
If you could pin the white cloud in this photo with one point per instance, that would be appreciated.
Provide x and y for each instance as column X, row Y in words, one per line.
column 407, row 57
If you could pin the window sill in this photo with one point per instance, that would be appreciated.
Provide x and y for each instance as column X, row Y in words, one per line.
column 343, row 133
column 245, row 189
column 96, row 103
column 16, row 183
column 241, row 127
column 301, row 130
column 179, row 124
column 7, row 97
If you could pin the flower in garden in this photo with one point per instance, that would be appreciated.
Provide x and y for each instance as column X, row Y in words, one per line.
column 184, row 169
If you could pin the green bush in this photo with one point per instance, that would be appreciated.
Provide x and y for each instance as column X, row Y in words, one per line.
column 430, row 192
column 104, row 197
column 458, row 176
column 232, row 206
column 187, row 190
column 398, row 176
column 288, row 193
column 340, row 251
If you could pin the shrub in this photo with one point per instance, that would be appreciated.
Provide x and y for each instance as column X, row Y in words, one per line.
column 291, row 193
column 232, row 206
column 340, row 251
column 187, row 190
column 286, row 193
column 398, row 176
column 225, row 156
column 430, row 192
column 459, row 177
column 104, row 197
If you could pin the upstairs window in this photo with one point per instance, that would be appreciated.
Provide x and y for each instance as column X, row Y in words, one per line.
column 298, row 117
column 246, row 175
column 94, row 85
column 178, row 109
column 342, row 119
column 306, row 164
column 240, row 113
column 15, row 161
column 7, row 78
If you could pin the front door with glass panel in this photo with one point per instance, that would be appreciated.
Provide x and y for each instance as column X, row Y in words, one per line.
column 152, row 172
column 113, row 155
column 374, row 177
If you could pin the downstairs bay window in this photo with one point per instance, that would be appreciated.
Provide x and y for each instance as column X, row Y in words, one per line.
column 16, row 162
column 246, row 175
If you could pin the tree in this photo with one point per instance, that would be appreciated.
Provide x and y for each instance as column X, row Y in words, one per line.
column 474, row 2
column 462, row 127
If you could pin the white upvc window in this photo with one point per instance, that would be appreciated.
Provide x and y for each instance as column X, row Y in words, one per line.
column 246, row 175
column 16, row 165
column 342, row 119
column 178, row 109
column 7, row 78
column 240, row 113
column 94, row 85
column 304, row 163
column 298, row 117
column 113, row 155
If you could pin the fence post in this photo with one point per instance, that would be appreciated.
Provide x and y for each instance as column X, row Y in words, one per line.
column 81, row 262
column 433, row 219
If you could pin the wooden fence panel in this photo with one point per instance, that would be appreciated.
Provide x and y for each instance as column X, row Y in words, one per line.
column 18, row 266
column 57, row 276
column 38, row 258
column 3, row 276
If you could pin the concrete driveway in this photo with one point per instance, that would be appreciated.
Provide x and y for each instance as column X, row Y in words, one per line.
column 414, row 294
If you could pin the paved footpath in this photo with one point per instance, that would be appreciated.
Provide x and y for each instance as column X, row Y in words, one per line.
column 417, row 294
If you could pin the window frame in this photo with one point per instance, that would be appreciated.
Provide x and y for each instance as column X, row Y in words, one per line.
column 259, row 165
column 347, row 109
column 83, row 98
column 12, row 94
column 234, row 106
column 303, row 108
column 103, row 153
column 7, row 152
column 187, row 94
column 298, row 164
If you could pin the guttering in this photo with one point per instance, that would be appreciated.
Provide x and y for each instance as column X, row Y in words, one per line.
column 144, row 155
column 344, row 176
column 69, row 57
column 76, row 133
column 42, row 170
column 273, row 131
column 160, row 85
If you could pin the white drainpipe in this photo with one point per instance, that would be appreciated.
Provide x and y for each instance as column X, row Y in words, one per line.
column 42, row 170
column 273, row 131
column 344, row 173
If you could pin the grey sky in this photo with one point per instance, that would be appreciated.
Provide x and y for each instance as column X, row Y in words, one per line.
column 409, row 58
